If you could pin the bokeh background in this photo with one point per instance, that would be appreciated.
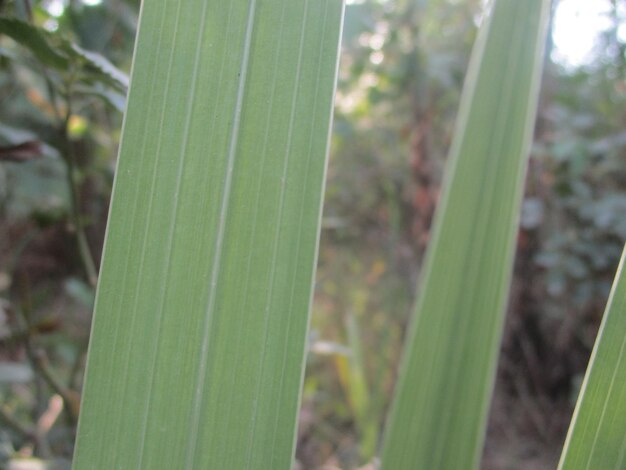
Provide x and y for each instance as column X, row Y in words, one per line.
column 401, row 73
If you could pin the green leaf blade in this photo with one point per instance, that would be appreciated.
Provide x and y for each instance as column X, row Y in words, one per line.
column 439, row 412
column 55, row 51
column 597, row 433
column 34, row 39
column 98, row 67
column 200, row 327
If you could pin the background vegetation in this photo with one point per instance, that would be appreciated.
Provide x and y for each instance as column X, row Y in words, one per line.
column 403, row 63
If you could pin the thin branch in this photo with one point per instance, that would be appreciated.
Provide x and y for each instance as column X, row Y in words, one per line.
column 81, row 237
column 39, row 362
column 29, row 10
column 77, row 367
column 70, row 398
column 22, row 429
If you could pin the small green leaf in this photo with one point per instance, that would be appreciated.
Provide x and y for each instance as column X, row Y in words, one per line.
column 36, row 40
column 57, row 52
column 95, row 66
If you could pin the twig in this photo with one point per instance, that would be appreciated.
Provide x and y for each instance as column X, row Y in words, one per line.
column 81, row 237
column 38, row 360
column 77, row 368
column 29, row 10
column 52, row 93
column 20, row 428
column 29, row 433
column 49, row 417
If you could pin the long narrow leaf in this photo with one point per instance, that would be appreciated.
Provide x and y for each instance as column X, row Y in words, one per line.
column 439, row 412
column 202, row 307
column 597, row 434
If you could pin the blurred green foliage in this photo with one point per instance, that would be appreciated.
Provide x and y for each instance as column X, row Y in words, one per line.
column 61, row 104
column 402, row 68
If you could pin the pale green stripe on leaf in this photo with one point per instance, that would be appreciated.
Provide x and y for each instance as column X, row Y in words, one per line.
column 200, row 324
column 441, row 401
column 597, row 434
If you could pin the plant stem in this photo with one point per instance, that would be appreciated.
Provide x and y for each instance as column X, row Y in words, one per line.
column 29, row 10
column 70, row 162
column 39, row 361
